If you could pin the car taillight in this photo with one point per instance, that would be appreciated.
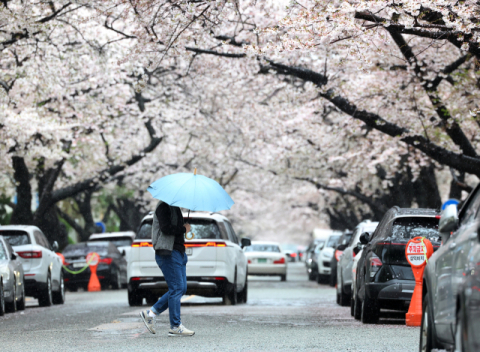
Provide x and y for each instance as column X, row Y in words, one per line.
column 293, row 255
column 338, row 254
column 280, row 261
column 354, row 254
column 30, row 254
column 206, row 244
column 107, row 261
column 375, row 264
column 142, row 244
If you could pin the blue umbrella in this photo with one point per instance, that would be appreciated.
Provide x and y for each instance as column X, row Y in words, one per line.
column 191, row 191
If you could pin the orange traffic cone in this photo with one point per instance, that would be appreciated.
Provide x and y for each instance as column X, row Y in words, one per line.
column 418, row 251
column 94, row 283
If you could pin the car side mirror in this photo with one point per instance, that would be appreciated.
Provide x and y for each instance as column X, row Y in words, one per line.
column 14, row 256
column 357, row 249
column 55, row 246
column 341, row 247
column 365, row 238
column 448, row 222
column 123, row 253
column 246, row 242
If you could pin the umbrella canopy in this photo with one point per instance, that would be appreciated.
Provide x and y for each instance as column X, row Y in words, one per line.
column 191, row 191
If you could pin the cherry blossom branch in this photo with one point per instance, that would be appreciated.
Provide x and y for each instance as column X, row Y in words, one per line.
column 213, row 52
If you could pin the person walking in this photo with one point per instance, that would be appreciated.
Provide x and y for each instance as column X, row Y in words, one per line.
column 168, row 240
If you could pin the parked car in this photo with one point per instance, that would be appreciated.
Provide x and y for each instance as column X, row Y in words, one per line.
column 41, row 265
column 111, row 270
column 292, row 252
column 345, row 263
column 12, row 288
column 342, row 243
column 121, row 240
column 217, row 265
column 266, row 258
column 311, row 258
column 450, row 282
column 355, row 310
column 384, row 277
column 323, row 258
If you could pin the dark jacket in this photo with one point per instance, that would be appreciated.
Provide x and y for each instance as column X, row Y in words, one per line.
column 168, row 230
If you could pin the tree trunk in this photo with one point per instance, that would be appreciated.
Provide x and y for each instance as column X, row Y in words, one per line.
column 22, row 213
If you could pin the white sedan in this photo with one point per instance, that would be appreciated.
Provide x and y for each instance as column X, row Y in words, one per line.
column 266, row 258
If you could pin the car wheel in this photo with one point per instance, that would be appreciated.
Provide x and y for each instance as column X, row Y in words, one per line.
column 230, row 299
column 151, row 299
column 21, row 303
column 2, row 299
column 426, row 327
column 46, row 299
column 320, row 279
column 343, row 297
column 245, row 292
column 283, row 277
column 11, row 307
column 59, row 296
column 352, row 307
column 357, row 311
column 134, row 299
column 370, row 311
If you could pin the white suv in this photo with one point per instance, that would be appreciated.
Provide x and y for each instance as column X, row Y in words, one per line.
column 324, row 258
column 41, row 265
column 217, row 266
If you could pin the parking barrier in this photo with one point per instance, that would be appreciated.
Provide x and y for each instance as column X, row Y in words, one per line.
column 93, row 260
column 417, row 251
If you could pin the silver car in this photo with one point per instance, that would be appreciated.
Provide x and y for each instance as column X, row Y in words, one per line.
column 344, row 266
column 12, row 287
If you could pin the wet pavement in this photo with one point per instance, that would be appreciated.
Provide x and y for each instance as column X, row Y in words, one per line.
column 296, row 315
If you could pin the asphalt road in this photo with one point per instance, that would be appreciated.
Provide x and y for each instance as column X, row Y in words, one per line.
column 297, row 315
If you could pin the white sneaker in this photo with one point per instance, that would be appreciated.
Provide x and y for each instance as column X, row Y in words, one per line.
column 180, row 331
column 148, row 320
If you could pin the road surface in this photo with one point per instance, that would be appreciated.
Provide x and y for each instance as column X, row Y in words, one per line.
column 296, row 315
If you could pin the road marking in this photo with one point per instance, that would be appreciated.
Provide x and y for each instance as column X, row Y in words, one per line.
column 187, row 298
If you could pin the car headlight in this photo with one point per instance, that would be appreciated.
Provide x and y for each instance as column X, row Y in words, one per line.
column 5, row 273
column 309, row 260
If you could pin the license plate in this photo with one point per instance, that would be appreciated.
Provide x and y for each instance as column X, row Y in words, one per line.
column 189, row 251
column 262, row 260
column 79, row 265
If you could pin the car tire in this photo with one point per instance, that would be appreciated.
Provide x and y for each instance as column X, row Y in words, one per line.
column 21, row 303
column 11, row 307
column 134, row 300
column 352, row 307
column 370, row 311
column 283, row 277
column 243, row 295
column 321, row 279
column 230, row 298
column 357, row 312
column 2, row 299
column 151, row 299
column 46, row 297
column 426, row 327
column 59, row 296
column 344, row 299
column 311, row 276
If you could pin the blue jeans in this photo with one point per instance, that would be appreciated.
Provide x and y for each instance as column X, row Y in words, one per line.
column 174, row 269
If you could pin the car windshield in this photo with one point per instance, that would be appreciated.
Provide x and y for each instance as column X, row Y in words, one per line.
column 205, row 229
column 408, row 228
column 16, row 238
column 82, row 249
column 117, row 241
column 332, row 241
column 263, row 248
column 145, row 232
column 3, row 253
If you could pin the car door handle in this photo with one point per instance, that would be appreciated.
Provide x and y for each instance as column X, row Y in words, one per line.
column 452, row 246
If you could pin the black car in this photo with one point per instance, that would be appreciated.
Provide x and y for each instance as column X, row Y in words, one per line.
column 384, row 278
column 111, row 270
column 339, row 248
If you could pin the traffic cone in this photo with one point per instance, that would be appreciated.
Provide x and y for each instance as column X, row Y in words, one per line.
column 94, row 283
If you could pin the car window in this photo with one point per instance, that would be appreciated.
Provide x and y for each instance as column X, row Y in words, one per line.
column 82, row 249
column 410, row 227
column 205, row 229
column 145, row 232
column 319, row 247
column 471, row 211
column 3, row 252
column 231, row 234
column 263, row 248
column 354, row 239
column 41, row 239
column 117, row 241
column 332, row 241
column 16, row 238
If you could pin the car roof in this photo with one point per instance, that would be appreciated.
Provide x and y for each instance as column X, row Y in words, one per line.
column 266, row 242
column 26, row 228
column 195, row 215
column 416, row 212
column 129, row 234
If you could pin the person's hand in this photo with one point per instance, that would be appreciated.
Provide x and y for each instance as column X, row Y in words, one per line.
column 187, row 227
